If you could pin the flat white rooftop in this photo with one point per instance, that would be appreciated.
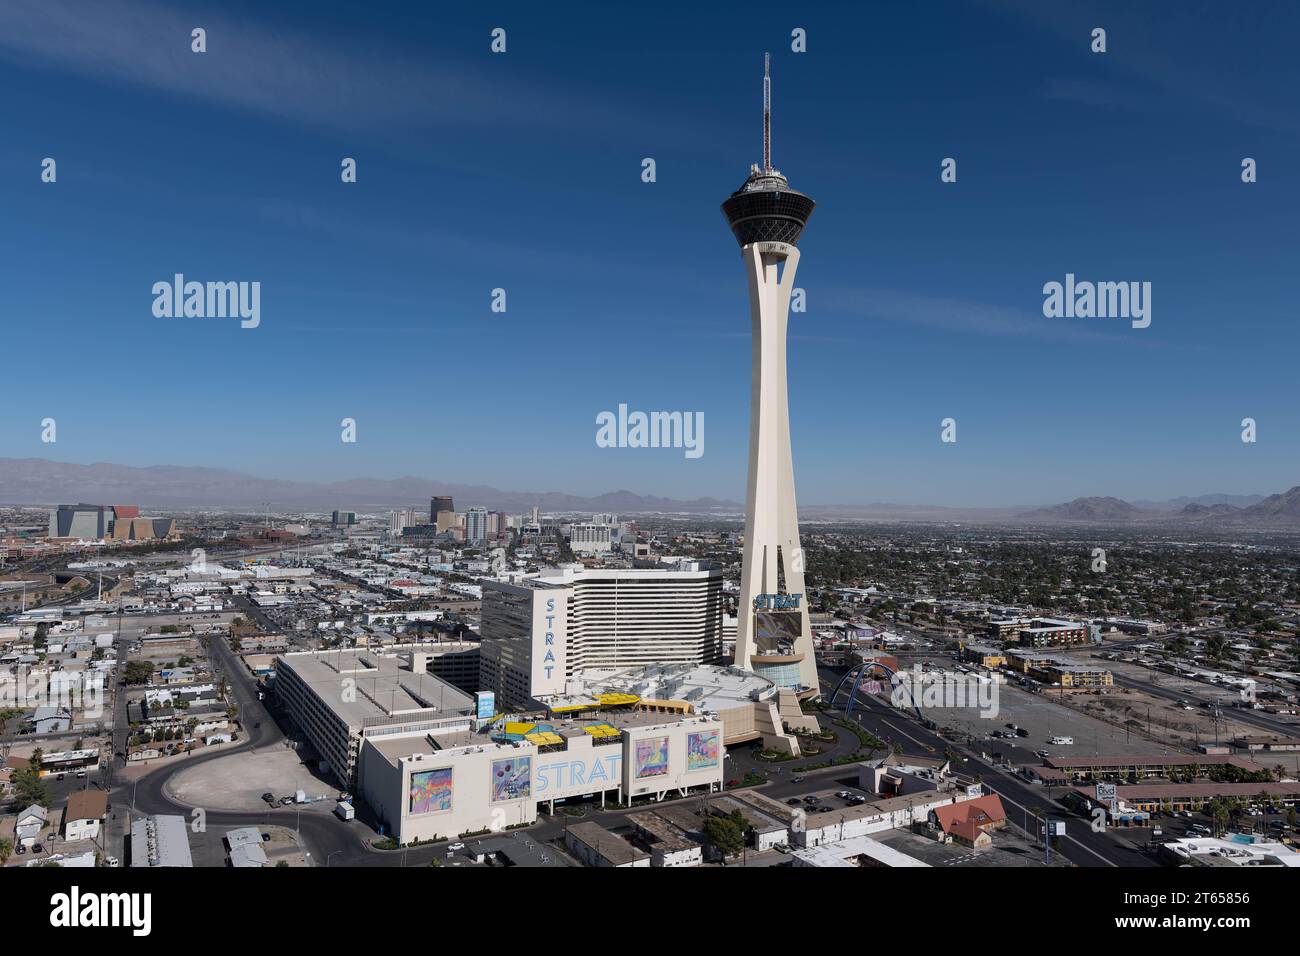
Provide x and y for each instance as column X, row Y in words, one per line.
column 708, row 687
column 363, row 686
column 846, row 852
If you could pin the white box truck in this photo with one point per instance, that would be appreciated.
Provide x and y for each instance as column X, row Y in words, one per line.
column 344, row 810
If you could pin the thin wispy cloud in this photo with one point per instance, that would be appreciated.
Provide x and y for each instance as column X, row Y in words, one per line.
column 968, row 317
column 284, row 73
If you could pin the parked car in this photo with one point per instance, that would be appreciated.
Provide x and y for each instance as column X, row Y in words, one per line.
column 455, row 847
column 794, row 801
column 269, row 797
column 286, row 801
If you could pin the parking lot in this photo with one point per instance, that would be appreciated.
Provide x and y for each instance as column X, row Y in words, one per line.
column 1042, row 718
column 823, row 798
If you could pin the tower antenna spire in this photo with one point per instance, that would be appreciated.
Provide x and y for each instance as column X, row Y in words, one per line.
column 767, row 113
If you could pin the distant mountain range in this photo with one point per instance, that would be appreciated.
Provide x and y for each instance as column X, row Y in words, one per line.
column 1087, row 509
column 1180, row 504
column 1281, row 511
column 38, row 481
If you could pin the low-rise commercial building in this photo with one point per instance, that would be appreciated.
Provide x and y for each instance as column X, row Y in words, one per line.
column 595, row 846
column 1138, row 767
column 1039, row 631
column 984, row 655
column 670, row 844
column 859, row 851
column 337, row 698
column 442, row 783
column 1212, row 851
column 162, row 840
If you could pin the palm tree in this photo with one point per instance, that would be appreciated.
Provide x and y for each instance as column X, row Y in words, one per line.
column 6, row 848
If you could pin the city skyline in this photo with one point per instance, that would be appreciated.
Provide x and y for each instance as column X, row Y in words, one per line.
column 924, row 301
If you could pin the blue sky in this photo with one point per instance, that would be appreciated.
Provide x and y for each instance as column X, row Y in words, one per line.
column 522, row 171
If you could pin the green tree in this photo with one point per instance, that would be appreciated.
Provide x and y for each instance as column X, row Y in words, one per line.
column 29, row 788
column 726, row 833
column 6, row 848
column 138, row 672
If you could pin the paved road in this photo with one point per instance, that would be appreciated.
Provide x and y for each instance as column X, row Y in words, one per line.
column 328, row 839
column 1022, row 799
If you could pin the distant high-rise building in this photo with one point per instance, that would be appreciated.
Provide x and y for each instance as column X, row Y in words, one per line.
column 591, row 538
column 116, row 522
column 439, row 503
column 476, row 525
column 398, row 521
column 343, row 518
column 81, row 521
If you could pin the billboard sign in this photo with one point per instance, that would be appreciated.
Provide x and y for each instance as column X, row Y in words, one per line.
column 651, row 757
column 774, row 630
column 430, row 791
column 512, row 778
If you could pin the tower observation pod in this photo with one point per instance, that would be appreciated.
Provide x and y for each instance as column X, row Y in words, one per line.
column 773, row 638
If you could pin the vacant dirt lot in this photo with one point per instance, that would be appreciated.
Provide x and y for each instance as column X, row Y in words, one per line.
column 237, row 782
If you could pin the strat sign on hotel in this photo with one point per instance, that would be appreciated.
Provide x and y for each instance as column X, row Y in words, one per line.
column 549, row 619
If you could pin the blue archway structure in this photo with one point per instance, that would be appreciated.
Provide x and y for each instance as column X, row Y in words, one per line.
column 856, row 675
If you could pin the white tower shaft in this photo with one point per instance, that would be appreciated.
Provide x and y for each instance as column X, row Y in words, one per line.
column 772, row 551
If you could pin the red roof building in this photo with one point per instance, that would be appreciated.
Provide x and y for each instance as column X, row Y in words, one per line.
column 970, row 821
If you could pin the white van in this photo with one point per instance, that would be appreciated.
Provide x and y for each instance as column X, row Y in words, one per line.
column 1061, row 740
